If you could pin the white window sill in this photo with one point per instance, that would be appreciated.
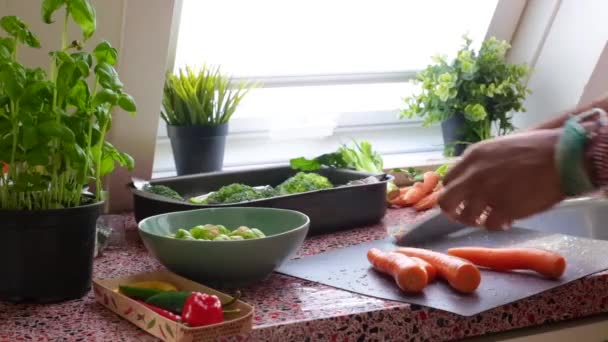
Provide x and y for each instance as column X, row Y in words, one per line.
column 401, row 145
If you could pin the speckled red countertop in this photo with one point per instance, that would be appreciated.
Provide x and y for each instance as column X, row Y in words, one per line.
column 290, row 309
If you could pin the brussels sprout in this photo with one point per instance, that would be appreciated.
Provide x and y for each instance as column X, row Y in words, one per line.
column 236, row 237
column 223, row 230
column 222, row 237
column 183, row 234
column 258, row 233
column 245, row 232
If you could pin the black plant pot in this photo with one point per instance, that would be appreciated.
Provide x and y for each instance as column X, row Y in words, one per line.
column 46, row 256
column 198, row 149
column 454, row 131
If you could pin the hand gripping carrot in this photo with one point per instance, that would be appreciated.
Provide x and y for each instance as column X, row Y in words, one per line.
column 461, row 274
column 408, row 274
column 431, row 272
column 547, row 263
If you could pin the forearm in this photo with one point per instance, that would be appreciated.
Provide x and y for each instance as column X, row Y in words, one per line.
column 561, row 119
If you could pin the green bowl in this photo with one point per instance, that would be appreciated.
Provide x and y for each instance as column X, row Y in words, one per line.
column 225, row 263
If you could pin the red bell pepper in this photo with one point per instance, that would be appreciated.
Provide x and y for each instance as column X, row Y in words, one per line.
column 202, row 309
column 162, row 312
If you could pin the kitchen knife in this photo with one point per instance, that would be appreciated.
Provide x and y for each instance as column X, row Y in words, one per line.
column 435, row 225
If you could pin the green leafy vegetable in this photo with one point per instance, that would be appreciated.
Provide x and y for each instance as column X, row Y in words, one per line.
column 442, row 170
column 361, row 157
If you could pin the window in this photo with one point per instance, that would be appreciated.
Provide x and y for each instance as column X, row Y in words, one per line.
column 332, row 69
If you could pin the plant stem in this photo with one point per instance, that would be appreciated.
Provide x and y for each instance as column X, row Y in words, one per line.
column 98, row 187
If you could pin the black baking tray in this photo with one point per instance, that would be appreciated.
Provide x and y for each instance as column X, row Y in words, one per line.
column 329, row 210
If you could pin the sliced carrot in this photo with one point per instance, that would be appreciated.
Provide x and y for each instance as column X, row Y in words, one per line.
column 431, row 272
column 428, row 202
column 408, row 274
column 461, row 274
column 547, row 263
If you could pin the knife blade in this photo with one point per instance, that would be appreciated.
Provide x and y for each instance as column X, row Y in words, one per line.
column 435, row 225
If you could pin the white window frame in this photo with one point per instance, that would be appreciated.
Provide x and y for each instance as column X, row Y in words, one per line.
column 503, row 24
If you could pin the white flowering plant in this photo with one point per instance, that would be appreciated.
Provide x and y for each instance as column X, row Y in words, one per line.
column 480, row 85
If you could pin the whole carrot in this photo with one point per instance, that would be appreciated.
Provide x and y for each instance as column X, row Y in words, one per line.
column 430, row 181
column 414, row 194
column 461, row 274
column 547, row 263
column 408, row 274
column 431, row 272
column 428, row 202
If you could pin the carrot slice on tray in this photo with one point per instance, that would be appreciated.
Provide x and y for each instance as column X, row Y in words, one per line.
column 431, row 272
column 409, row 275
column 547, row 263
column 461, row 274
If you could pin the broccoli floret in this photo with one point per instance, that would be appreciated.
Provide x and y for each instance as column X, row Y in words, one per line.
column 163, row 190
column 267, row 192
column 236, row 192
column 303, row 182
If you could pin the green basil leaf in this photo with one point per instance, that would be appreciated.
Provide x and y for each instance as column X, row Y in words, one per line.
column 104, row 52
column 76, row 153
column 7, row 46
column 84, row 15
column 37, row 94
column 48, row 8
column 38, row 156
column 105, row 96
column 30, row 137
column 68, row 76
column 4, row 100
column 108, row 77
column 5, row 153
column 83, row 56
column 18, row 29
column 127, row 103
column 78, row 95
column 12, row 77
column 62, row 56
column 107, row 165
column 35, row 75
column 83, row 68
column 53, row 129
column 127, row 161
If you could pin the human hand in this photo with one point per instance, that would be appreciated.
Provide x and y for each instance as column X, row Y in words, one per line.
column 504, row 179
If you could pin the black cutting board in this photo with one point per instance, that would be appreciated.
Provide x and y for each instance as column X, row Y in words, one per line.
column 350, row 270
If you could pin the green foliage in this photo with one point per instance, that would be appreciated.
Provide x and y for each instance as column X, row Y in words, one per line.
column 361, row 157
column 203, row 98
column 481, row 85
column 53, row 126
column 303, row 182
